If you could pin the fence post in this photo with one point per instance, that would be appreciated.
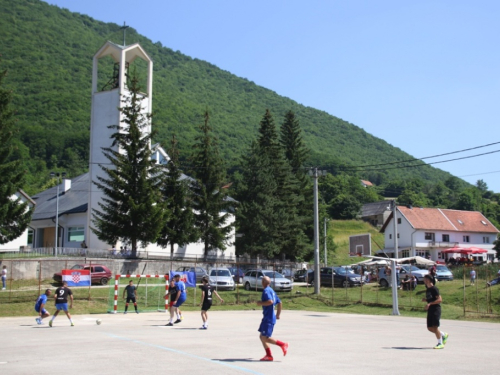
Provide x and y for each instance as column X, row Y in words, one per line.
column 463, row 271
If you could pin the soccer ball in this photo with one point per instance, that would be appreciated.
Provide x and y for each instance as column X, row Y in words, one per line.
column 98, row 322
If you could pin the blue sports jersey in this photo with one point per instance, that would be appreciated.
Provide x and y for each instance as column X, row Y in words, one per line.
column 182, row 288
column 268, row 311
column 41, row 300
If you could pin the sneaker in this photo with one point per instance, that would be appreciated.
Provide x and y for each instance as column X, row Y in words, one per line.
column 181, row 317
column 267, row 358
column 38, row 321
column 124, row 312
column 177, row 321
column 439, row 346
column 169, row 325
column 72, row 324
column 445, row 338
column 50, row 323
column 284, row 348
column 203, row 327
column 137, row 312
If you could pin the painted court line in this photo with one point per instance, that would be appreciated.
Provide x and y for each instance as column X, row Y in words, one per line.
column 185, row 354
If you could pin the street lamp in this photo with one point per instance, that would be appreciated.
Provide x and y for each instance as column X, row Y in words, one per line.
column 54, row 174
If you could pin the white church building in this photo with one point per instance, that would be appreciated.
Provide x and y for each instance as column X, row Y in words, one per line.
column 78, row 196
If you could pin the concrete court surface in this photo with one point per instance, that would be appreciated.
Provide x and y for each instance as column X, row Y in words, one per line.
column 320, row 343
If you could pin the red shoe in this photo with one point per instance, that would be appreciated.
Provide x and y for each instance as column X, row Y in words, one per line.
column 267, row 358
column 284, row 348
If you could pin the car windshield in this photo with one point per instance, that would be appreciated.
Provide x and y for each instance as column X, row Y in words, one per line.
column 343, row 271
column 220, row 273
column 442, row 268
column 77, row 267
column 411, row 268
column 272, row 275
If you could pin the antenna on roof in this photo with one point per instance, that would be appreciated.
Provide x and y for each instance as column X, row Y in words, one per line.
column 124, row 28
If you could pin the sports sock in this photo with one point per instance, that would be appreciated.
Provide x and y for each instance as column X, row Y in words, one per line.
column 52, row 319
column 268, row 352
column 440, row 341
column 279, row 343
column 70, row 320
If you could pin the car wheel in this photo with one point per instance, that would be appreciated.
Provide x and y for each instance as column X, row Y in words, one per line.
column 345, row 284
column 247, row 286
column 384, row 283
column 104, row 281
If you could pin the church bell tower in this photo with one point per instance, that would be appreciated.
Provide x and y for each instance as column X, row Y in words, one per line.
column 106, row 101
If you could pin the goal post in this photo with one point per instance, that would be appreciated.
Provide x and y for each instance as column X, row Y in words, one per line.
column 152, row 293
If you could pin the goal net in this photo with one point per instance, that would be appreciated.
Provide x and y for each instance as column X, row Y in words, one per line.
column 151, row 293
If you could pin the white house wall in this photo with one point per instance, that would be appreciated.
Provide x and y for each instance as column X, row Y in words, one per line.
column 22, row 240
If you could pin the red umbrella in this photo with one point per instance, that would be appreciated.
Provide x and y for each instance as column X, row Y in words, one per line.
column 465, row 250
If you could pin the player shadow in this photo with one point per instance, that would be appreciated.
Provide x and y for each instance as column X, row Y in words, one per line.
column 406, row 348
column 236, row 360
column 318, row 316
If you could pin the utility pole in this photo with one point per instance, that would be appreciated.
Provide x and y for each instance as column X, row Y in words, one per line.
column 314, row 173
column 394, row 280
column 325, row 244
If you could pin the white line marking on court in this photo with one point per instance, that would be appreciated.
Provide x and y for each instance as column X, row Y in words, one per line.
column 186, row 354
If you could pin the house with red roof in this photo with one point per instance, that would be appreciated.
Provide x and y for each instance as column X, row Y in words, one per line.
column 426, row 232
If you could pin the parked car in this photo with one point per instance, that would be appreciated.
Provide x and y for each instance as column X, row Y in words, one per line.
column 253, row 280
column 237, row 273
column 300, row 275
column 443, row 273
column 199, row 271
column 287, row 272
column 338, row 276
column 221, row 279
column 407, row 269
column 99, row 274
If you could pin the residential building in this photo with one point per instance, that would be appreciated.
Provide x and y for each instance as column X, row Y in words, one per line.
column 24, row 240
column 427, row 232
column 376, row 213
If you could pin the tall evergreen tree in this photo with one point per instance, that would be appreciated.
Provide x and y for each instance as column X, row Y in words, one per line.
column 209, row 197
column 258, row 211
column 132, row 209
column 179, row 229
column 14, row 216
column 288, row 229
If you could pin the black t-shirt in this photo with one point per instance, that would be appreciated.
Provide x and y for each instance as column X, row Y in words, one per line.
column 130, row 290
column 431, row 295
column 62, row 294
column 207, row 298
column 173, row 292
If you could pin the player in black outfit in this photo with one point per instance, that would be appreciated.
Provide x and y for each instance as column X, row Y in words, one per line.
column 61, row 298
column 206, row 300
column 131, row 291
column 433, row 307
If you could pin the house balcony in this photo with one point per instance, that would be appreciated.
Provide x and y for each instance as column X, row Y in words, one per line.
column 436, row 245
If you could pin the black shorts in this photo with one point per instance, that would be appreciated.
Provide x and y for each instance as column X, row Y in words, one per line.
column 433, row 316
column 130, row 299
column 206, row 306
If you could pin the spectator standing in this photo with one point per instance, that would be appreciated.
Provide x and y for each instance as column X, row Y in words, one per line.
column 4, row 277
column 472, row 276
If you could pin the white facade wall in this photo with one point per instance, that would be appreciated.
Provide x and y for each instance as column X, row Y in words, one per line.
column 22, row 240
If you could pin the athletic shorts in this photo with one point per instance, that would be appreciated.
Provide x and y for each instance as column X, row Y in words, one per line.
column 433, row 316
column 62, row 306
column 43, row 311
column 206, row 306
column 266, row 328
column 179, row 302
column 130, row 299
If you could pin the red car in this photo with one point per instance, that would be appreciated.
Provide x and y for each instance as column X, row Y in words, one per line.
column 99, row 274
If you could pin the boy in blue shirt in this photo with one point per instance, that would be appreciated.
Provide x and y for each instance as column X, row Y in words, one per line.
column 40, row 306
column 268, row 301
column 179, row 299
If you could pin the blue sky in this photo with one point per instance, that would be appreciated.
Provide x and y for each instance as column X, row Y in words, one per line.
column 422, row 75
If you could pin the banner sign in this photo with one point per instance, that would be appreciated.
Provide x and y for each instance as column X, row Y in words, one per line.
column 188, row 277
column 76, row 277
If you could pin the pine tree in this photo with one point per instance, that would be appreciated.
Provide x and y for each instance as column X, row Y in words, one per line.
column 179, row 229
column 288, row 228
column 258, row 211
column 132, row 209
column 209, row 196
column 14, row 216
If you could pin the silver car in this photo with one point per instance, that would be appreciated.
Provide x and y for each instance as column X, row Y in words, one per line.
column 221, row 279
column 253, row 280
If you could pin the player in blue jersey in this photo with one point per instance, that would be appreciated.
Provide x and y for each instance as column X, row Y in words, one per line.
column 179, row 299
column 268, row 301
column 40, row 306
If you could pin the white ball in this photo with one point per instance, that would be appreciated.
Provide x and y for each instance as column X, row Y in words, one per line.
column 98, row 322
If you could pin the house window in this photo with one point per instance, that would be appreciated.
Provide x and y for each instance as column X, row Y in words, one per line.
column 399, row 220
column 405, row 253
column 429, row 236
column 446, row 238
column 440, row 255
column 398, row 235
column 76, row 234
column 466, row 239
column 423, row 253
column 31, row 235
column 486, row 240
column 390, row 236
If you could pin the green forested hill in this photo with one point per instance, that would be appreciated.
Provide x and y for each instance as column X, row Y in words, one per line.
column 48, row 53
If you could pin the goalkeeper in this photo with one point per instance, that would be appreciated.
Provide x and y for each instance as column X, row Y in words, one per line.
column 131, row 291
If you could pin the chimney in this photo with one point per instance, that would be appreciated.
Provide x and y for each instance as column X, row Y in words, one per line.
column 66, row 185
